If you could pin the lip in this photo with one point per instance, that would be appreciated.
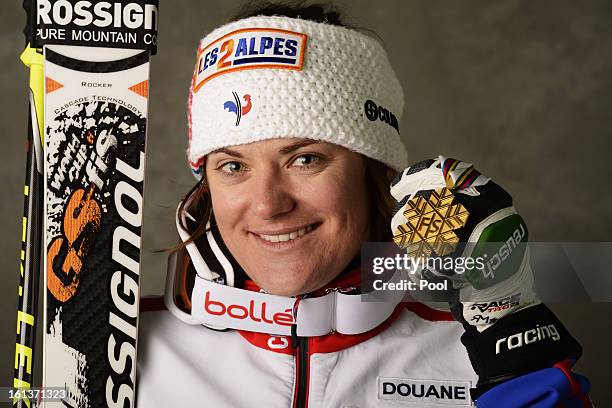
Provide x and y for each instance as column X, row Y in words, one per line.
column 284, row 244
column 286, row 230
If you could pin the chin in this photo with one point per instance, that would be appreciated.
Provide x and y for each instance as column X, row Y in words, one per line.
column 283, row 291
column 289, row 281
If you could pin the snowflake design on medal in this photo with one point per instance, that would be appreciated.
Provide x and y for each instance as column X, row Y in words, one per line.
column 430, row 224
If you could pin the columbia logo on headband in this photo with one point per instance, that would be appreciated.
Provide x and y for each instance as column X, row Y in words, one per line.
column 236, row 106
column 374, row 112
column 250, row 48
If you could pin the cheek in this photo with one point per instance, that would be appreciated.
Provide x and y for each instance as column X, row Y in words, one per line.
column 345, row 201
column 225, row 205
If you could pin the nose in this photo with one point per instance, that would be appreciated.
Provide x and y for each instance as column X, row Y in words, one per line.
column 271, row 194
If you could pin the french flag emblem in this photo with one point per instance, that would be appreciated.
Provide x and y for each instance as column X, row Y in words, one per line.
column 236, row 106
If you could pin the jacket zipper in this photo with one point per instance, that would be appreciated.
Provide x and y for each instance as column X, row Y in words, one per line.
column 302, row 373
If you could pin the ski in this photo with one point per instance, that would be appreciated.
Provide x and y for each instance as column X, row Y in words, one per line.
column 96, row 82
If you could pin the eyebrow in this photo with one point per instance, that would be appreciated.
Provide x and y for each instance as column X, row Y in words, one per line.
column 284, row 150
column 297, row 145
column 227, row 151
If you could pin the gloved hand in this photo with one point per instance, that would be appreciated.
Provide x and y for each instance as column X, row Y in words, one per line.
column 446, row 203
column 442, row 205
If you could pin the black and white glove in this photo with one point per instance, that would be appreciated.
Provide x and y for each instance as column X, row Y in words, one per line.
column 446, row 208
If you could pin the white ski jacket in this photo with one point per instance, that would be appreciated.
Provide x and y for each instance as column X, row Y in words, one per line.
column 413, row 359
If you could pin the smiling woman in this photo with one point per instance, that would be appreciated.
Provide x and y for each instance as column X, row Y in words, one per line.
column 286, row 211
column 294, row 124
column 307, row 157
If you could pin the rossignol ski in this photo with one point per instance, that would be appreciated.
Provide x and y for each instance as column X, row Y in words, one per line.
column 96, row 82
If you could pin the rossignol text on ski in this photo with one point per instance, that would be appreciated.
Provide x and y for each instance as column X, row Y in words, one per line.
column 95, row 56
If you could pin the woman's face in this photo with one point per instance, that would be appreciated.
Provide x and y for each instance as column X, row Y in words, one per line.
column 293, row 212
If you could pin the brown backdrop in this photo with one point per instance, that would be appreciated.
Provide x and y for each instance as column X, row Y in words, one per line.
column 523, row 89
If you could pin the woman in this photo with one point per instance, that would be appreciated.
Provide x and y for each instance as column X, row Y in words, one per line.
column 294, row 135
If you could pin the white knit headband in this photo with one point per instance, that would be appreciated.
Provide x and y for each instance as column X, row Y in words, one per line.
column 268, row 77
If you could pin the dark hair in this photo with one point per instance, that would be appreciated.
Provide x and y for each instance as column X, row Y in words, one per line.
column 318, row 12
column 378, row 175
